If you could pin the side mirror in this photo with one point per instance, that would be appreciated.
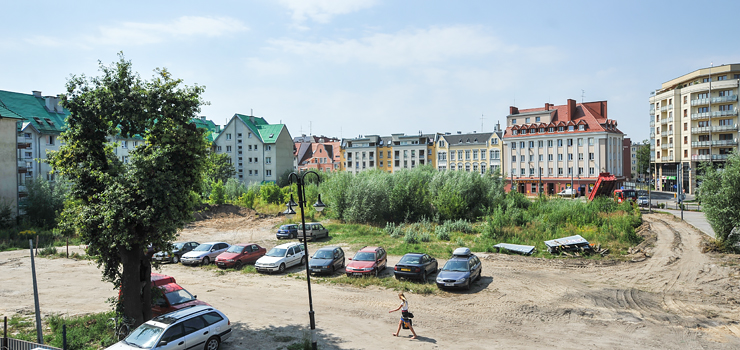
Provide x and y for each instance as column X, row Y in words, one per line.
column 195, row 297
column 162, row 343
column 349, row 258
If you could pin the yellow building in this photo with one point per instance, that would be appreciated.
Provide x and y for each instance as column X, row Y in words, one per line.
column 387, row 153
column 477, row 152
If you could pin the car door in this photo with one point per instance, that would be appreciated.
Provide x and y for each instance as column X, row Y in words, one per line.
column 196, row 332
column 383, row 258
column 290, row 257
column 173, row 338
column 338, row 258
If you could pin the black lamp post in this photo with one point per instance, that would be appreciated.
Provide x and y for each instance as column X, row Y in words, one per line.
column 290, row 213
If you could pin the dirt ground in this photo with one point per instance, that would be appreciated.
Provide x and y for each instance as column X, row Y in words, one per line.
column 671, row 296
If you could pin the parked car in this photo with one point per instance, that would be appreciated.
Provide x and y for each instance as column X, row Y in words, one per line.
column 460, row 271
column 204, row 253
column 314, row 230
column 183, row 329
column 367, row 261
column 568, row 193
column 174, row 297
column 287, row 231
column 282, row 257
column 326, row 260
column 415, row 266
column 239, row 254
column 642, row 201
column 173, row 255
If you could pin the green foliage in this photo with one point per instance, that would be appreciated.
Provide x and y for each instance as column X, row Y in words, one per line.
column 425, row 237
column 643, row 157
column 270, row 193
column 48, row 251
column 719, row 194
column 218, row 193
column 7, row 217
column 247, row 199
column 88, row 332
column 410, row 237
column 234, row 190
column 124, row 207
column 45, row 200
column 442, row 233
column 460, row 225
column 219, row 168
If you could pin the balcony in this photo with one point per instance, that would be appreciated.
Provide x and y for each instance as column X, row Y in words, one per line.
column 652, row 147
column 720, row 156
column 652, row 124
column 700, row 102
column 670, row 132
column 664, row 134
column 724, row 128
column 670, row 119
column 664, row 146
column 663, row 121
column 701, row 130
column 652, row 112
column 652, row 135
column 666, row 108
column 667, row 159
column 724, row 113
column 716, row 143
column 701, row 143
column 699, row 116
column 700, row 157
column 720, row 99
column 24, row 145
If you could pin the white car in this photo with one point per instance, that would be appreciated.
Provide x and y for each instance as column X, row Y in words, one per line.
column 281, row 257
column 568, row 193
column 204, row 254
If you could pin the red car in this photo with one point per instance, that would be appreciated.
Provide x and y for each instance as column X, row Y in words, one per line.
column 368, row 261
column 173, row 296
column 239, row 254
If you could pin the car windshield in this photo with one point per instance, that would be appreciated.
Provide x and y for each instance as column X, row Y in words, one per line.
column 456, row 265
column 178, row 246
column 179, row 297
column 323, row 254
column 277, row 252
column 203, row 248
column 235, row 249
column 410, row 259
column 365, row 256
column 286, row 227
column 144, row 337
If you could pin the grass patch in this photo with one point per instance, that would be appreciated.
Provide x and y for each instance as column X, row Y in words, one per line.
column 88, row 332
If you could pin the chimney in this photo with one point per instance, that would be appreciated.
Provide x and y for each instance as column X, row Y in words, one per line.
column 459, row 132
column 513, row 110
column 571, row 108
column 203, row 118
column 37, row 94
column 547, row 106
column 52, row 103
column 251, row 119
column 603, row 109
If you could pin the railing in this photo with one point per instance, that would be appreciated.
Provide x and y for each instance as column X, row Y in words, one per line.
column 701, row 143
column 667, row 159
column 725, row 128
column 17, row 344
column 700, row 130
column 664, row 146
column 670, row 119
column 663, row 133
column 670, row 132
column 699, row 101
column 652, row 135
column 721, row 99
column 652, row 124
column 652, row 112
column 664, row 121
column 701, row 157
column 724, row 142
column 723, row 113
column 720, row 156
column 666, row 108
column 702, row 115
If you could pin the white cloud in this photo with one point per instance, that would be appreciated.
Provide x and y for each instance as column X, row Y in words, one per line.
column 405, row 48
column 263, row 67
column 323, row 10
column 137, row 33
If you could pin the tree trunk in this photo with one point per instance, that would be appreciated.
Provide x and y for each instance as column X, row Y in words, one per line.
column 131, row 285
column 146, row 282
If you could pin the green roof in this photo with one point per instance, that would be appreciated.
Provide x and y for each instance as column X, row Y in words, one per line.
column 33, row 110
column 268, row 133
column 212, row 129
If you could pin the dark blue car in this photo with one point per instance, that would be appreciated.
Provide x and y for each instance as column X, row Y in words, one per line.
column 287, row 231
column 415, row 266
column 460, row 271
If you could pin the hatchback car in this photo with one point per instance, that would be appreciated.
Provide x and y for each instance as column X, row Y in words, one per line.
column 197, row 327
column 416, row 266
column 204, row 253
column 326, row 260
column 314, row 230
column 239, row 254
column 173, row 255
column 460, row 271
column 287, row 231
column 368, row 261
column 642, row 201
column 282, row 257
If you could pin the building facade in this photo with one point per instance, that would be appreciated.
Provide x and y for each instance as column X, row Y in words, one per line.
column 476, row 152
column 10, row 165
column 693, row 119
column 318, row 153
column 388, row 153
column 553, row 148
column 261, row 152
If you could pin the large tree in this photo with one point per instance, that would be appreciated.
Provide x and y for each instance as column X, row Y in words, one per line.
column 643, row 157
column 125, row 208
column 719, row 193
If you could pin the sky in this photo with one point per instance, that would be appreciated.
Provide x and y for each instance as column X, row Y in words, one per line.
column 345, row 68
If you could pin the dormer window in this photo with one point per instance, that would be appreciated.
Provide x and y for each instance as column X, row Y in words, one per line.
column 524, row 131
column 570, row 128
column 542, row 130
column 581, row 127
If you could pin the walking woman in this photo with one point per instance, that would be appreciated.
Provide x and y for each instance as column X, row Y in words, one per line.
column 406, row 316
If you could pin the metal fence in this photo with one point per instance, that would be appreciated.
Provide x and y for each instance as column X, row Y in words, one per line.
column 16, row 344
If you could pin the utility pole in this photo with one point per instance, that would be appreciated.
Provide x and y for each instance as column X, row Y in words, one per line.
column 39, row 334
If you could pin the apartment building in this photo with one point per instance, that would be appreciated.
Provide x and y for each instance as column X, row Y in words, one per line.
column 260, row 151
column 693, row 119
column 556, row 146
column 10, row 165
column 476, row 152
column 318, row 153
column 388, row 153
column 634, row 161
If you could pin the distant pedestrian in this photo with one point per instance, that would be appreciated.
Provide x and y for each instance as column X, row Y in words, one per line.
column 406, row 316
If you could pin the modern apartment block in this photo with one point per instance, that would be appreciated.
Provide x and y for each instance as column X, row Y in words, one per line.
column 389, row 153
column 557, row 146
column 260, row 151
column 634, row 161
column 10, row 165
column 693, row 119
column 318, row 153
column 476, row 152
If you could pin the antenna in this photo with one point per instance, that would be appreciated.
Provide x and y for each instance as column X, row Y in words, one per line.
column 310, row 132
column 583, row 92
column 251, row 112
column 481, row 122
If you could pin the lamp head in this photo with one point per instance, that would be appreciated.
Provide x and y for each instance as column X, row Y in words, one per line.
column 319, row 205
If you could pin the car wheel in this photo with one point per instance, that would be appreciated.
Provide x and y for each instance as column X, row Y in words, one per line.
column 175, row 259
column 212, row 344
column 331, row 271
column 281, row 268
column 238, row 265
column 467, row 286
column 396, row 277
column 294, row 236
column 424, row 276
column 303, row 260
column 376, row 272
column 206, row 261
column 479, row 276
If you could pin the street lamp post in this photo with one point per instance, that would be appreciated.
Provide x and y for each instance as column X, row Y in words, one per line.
column 650, row 202
column 299, row 180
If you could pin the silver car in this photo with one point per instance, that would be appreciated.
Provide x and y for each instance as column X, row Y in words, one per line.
column 314, row 230
column 197, row 327
column 204, row 254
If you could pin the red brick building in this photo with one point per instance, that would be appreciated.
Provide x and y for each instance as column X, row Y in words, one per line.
column 317, row 153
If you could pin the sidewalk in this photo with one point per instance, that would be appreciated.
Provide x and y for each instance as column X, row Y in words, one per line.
column 693, row 218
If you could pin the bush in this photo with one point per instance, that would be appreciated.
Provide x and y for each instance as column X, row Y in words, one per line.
column 460, row 225
column 442, row 233
column 44, row 202
column 270, row 193
column 425, row 237
column 6, row 214
column 411, row 237
column 217, row 193
column 48, row 251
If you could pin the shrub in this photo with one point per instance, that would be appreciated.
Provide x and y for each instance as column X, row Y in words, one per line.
column 270, row 193
column 45, row 200
column 460, row 225
column 411, row 237
column 217, row 193
column 425, row 237
column 48, row 251
column 442, row 233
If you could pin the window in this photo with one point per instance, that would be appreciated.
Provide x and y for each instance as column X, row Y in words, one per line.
column 255, row 147
column 249, row 135
column 523, row 172
column 580, row 142
column 685, row 113
column 526, row 120
column 685, row 140
column 560, row 157
column 513, row 159
column 459, row 155
column 685, row 126
column 521, row 144
column 124, row 144
column 721, row 77
column 268, row 160
column 531, row 172
column 540, row 158
column 549, row 143
column 549, row 157
column 570, row 142
column 590, row 156
column 685, row 153
column 228, row 149
column 531, row 144
column 560, row 142
column 531, row 157
column 723, row 122
column 495, row 154
column 256, row 172
column 482, row 154
column 570, row 128
column 581, row 127
column 513, row 121
column 591, row 171
column 228, row 136
column 570, row 171
column 269, row 148
column 218, row 148
column 560, row 171
column 50, row 140
column 590, row 141
column 537, row 119
column 580, row 171
column 475, row 154
column 570, row 156
column 580, row 156
column 467, row 155
column 495, row 141
column 549, row 171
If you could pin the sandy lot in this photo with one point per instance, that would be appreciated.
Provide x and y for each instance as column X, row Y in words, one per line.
column 676, row 298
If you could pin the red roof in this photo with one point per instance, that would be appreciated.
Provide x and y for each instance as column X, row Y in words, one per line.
column 591, row 114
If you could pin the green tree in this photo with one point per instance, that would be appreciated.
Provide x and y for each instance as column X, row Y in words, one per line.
column 219, row 167
column 218, row 193
column 44, row 202
column 719, row 193
column 270, row 193
column 124, row 208
column 643, row 157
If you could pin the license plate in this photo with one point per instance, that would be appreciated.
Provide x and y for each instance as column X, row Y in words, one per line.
column 159, row 258
column 449, row 284
column 405, row 269
column 357, row 274
column 220, row 264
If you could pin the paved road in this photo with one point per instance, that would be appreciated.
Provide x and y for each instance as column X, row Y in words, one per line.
column 694, row 218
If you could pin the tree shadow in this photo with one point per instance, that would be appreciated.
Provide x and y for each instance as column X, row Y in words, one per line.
column 276, row 337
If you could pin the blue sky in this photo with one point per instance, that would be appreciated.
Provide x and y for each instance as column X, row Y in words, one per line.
column 349, row 67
